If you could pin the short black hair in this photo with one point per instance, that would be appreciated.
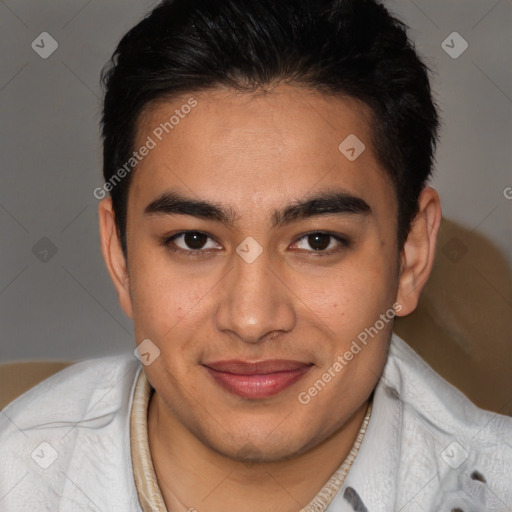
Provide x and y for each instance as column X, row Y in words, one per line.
column 354, row 48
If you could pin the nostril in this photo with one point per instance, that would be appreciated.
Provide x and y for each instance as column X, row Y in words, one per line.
column 476, row 475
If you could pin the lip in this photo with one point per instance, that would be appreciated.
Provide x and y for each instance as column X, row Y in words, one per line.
column 256, row 380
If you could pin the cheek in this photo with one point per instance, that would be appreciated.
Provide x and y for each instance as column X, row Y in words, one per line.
column 163, row 300
column 353, row 295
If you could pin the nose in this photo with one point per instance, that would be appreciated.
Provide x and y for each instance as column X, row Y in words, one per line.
column 256, row 303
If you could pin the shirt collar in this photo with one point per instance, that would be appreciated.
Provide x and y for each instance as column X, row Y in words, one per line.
column 150, row 496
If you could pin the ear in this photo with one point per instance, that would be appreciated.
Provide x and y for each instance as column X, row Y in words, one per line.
column 113, row 254
column 417, row 256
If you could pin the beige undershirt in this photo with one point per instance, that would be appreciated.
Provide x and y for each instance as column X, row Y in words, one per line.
column 150, row 497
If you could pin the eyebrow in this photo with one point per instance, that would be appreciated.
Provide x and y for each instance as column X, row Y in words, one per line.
column 323, row 203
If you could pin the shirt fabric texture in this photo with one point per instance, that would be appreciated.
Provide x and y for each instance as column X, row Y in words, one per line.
column 66, row 445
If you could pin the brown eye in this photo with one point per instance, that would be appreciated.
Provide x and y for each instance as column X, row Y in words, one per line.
column 195, row 240
column 323, row 243
column 319, row 241
column 191, row 242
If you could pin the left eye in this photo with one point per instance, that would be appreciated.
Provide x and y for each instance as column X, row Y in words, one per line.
column 319, row 242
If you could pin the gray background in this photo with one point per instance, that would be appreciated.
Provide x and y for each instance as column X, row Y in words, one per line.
column 62, row 305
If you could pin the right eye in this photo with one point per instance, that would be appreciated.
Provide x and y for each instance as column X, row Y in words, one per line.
column 191, row 243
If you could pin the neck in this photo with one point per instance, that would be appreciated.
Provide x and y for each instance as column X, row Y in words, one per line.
column 192, row 476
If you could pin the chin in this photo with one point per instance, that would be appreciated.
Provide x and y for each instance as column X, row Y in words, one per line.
column 254, row 454
column 263, row 447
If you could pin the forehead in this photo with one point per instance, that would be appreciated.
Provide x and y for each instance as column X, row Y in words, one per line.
column 258, row 148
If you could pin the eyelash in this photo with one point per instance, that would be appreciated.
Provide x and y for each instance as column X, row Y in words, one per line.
column 167, row 241
column 343, row 241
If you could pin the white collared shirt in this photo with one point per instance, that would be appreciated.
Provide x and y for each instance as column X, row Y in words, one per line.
column 65, row 444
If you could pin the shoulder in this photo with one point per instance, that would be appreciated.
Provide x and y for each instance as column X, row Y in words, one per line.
column 71, row 394
column 443, row 433
column 434, row 399
column 65, row 443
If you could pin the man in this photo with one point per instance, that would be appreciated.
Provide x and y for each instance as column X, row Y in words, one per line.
column 268, row 216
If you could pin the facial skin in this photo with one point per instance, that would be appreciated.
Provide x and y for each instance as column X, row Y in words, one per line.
column 253, row 155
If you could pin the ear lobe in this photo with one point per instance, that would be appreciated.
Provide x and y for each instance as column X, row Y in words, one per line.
column 418, row 253
column 113, row 254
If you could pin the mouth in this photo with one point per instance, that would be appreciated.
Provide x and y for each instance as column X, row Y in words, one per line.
column 256, row 380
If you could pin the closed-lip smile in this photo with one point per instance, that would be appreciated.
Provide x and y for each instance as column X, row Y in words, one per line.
column 257, row 379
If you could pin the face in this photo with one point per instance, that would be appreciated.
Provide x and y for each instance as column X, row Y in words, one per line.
column 257, row 253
